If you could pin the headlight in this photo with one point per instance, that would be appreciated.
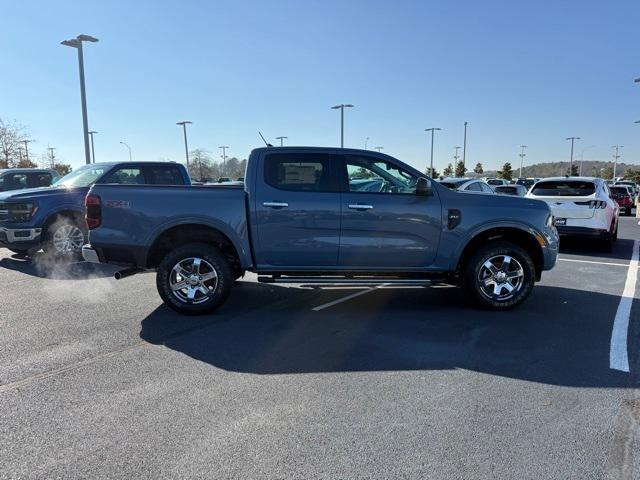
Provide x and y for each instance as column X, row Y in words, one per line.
column 21, row 212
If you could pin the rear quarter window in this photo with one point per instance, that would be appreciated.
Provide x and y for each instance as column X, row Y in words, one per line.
column 564, row 188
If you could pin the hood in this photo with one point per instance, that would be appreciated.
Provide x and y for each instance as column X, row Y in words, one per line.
column 36, row 193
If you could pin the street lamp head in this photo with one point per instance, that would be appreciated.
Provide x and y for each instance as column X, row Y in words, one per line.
column 70, row 43
column 431, row 129
column 335, row 107
column 91, row 132
column 185, row 122
column 348, row 105
column 87, row 38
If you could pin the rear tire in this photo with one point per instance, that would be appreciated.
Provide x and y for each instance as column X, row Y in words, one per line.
column 194, row 279
column 493, row 282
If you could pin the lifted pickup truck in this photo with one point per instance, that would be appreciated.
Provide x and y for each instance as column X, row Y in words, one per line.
column 52, row 218
column 321, row 215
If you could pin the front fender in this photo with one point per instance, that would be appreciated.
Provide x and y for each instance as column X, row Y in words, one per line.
column 466, row 238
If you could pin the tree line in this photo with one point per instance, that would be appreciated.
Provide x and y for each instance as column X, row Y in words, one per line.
column 14, row 149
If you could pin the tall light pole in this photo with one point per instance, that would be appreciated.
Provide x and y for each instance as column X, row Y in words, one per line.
column 616, row 156
column 184, row 131
column 432, row 130
column 582, row 157
column 366, row 142
column 77, row 44
column 224, row 155
column 379, row 148
column 342, row 106
column 522, row 155
column 93, row 152
column 456, row 156
column 573, row 139
column 128, row 147
column 53, row 158
column 282, row 139
column 464, row 149
column 26, row 148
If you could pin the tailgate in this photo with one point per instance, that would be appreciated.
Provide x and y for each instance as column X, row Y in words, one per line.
column 574, row 207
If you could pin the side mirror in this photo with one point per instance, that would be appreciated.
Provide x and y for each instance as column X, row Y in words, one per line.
column 423, row 187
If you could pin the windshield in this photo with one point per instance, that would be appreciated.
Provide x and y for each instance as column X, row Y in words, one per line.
column 564, row 188
column 495, row 182
column 82, row 177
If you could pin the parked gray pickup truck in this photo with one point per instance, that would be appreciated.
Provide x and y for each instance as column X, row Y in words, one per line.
column 321, row 215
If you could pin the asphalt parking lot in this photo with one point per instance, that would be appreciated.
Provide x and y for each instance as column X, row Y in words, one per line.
column 98, row 379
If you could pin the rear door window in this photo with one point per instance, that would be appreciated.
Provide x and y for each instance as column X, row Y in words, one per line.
column 474, row 187
column 564, row 188
column 163, row 175
column 486, row 188
column 126, row 176
column 303, row 172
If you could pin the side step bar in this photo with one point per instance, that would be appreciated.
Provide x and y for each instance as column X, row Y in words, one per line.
column 348, row 281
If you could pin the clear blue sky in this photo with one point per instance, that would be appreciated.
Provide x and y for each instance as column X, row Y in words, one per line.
column 519, row 72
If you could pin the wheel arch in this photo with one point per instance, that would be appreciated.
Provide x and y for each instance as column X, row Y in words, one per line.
column 524, row 238
column 184, row 233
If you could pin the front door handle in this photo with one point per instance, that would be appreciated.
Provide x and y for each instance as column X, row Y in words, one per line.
column 276, row 204
column 359, row 206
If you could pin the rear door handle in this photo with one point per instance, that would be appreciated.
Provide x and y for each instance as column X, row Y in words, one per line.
column 276, row 204
column 358, row 206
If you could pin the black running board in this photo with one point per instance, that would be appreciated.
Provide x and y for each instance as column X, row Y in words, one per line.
column 327, row 280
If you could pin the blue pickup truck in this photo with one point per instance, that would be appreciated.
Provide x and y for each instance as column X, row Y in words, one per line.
column 317, row 215
column 52, row 218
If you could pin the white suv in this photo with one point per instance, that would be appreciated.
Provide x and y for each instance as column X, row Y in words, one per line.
column 582, row 207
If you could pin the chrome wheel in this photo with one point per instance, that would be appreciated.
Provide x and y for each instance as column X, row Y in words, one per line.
column 67, row 240
column 193, row 280
column 501, row 277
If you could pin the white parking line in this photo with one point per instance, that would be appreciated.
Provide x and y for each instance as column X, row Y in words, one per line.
column 594, row 262
column 618, row 356
column 348, row 297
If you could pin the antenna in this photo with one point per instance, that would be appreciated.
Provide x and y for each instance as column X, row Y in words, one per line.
column 265, row 142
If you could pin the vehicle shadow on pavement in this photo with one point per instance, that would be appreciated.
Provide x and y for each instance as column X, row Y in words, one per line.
column 43, row 266
column 560, row 336
column 622, row 248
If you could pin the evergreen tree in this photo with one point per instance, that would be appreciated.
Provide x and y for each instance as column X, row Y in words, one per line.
column 461, row 169
column 447, row 172
column 506, row 172
column 431, row 174
column 479, row 170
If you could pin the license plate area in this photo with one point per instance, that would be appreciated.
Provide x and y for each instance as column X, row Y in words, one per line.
column 560, row 222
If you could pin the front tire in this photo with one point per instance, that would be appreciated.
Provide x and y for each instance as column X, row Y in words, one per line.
column 64, row 239
column 499, row 276
column 194, row 279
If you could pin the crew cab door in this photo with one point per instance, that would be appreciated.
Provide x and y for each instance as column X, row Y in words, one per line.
column 297, row 211
column 384, row 223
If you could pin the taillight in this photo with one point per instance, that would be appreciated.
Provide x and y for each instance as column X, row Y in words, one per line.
column 597, row 204
column 92, row 211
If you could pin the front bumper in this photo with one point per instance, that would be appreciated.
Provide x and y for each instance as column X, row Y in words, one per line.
column 19, row 237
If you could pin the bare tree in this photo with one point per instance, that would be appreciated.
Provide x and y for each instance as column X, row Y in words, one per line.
column 12, row 136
